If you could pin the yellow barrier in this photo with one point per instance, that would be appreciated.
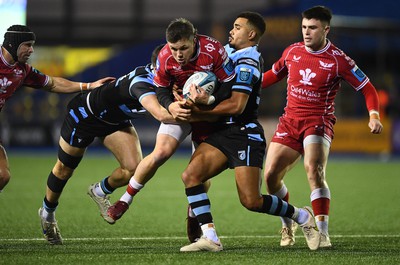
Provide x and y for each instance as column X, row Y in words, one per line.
column 353, row 135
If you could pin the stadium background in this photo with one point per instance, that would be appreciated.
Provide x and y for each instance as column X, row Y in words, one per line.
column 88, row 39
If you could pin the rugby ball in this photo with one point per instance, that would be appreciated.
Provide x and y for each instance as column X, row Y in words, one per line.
column 206, row 80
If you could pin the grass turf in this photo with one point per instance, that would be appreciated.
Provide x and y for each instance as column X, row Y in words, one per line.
column 364, row 218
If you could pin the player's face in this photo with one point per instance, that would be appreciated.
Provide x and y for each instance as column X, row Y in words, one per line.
column 239, row 34
column 314, row 33
column 182, row 50
column 25, row 50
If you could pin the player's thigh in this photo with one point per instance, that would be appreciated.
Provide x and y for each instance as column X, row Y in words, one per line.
column 316, row 150
column 125, row 146
column 178, row 131
column 71, row 150
column 165, row 146
column 280, row 158
column 205, row 163
column 248, row 184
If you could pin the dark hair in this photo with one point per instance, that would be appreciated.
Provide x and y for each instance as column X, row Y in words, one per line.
column 155, row 53
column 180, row 29
column 321, row 13
column 255, row 20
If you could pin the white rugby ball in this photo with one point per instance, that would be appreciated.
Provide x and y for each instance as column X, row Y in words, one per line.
column 206, row 80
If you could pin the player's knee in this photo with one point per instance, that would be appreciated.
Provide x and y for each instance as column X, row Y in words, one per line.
column 315, row 172
column 272, row 180
column 160, row 156
column 189, row 179
column 250, row 203
column 62, row 171
column 68, row 160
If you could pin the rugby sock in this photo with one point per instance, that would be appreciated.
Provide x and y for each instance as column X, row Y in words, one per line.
column 300, row 216
column 105, row 186
column 283, row 194
column 200, row 204
column 209, row 232
column 276, row 206
column 49, row 209
column 320, row 201
column 133, row 188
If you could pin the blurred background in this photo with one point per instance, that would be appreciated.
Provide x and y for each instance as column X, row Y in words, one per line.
column 84, row 40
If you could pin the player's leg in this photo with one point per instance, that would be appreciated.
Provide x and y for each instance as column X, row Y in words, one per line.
column 280, row 159
column 248, row 182
column 69, row 158
column 168, row 139
column 193, row 229
column 125, row 146
column 5, row 174
column 316, row 151
column 195, row 174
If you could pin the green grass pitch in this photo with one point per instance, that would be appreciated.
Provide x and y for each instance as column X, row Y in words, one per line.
column 364, row 218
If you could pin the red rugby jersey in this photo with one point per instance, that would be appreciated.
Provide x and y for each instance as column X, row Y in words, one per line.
column 17, row 75
column 313, row 78
column 210, row 56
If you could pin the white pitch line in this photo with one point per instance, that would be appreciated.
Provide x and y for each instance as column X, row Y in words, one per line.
column 181, row 238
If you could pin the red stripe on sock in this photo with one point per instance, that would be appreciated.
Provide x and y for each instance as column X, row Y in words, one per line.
column 132, row 191
column 321, row 206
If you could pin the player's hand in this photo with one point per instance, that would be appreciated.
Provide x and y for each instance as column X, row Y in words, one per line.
column 176, row 89
column 198, row 95
column 189, row 104
column 179, row 111
column 376, row 126
column 100, row 82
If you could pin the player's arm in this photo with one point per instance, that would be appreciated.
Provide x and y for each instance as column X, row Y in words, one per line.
column 269, row 78
column 372, row 102
column 62, row 85
column 177, row 109
column 234, row 105
column 151, row 104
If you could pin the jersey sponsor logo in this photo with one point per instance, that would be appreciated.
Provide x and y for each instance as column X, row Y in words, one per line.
column 326, row 66
column 296, row 59
column 177, row 68
column 209, row 47
column 4, row 83
column 336, row 52
column 281, row 135
column 247, row 61
column 242, row 155
column 207, row 67
column 358, row 73
column 307, row 75
column 211, row 40
column 304, row 94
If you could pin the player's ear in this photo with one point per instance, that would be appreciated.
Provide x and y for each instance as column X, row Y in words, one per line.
column 327, row 28
column 252, row 34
